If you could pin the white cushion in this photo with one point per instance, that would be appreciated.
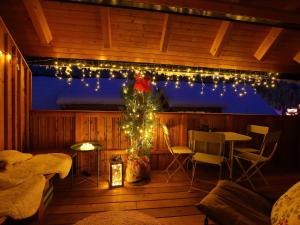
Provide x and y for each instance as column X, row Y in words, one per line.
column 286, row 210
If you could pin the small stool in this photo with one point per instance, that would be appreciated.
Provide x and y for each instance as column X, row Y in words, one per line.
column 119, row 218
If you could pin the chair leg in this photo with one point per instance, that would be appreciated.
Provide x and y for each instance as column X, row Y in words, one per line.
column 257, row 170
column 206, row 220
column 173, row 161
column 245, row 173
column 194, row 164
column 181, row 166
column 242, row 168
column 175, row 157
column 228, row 166
column 262, row 177
column 220, row 172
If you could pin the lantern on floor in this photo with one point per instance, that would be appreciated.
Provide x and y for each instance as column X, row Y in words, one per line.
column 116, row 172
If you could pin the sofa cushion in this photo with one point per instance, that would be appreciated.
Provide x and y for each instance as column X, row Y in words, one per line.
column 231, row 204
column 286, row 210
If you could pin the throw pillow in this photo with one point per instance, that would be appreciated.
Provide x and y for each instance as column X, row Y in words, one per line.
column 286, row 210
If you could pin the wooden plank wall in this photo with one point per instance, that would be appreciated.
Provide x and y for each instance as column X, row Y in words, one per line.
column 15, row 94
column 58, row 130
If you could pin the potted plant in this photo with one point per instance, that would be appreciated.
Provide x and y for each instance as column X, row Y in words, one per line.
column 138, row 122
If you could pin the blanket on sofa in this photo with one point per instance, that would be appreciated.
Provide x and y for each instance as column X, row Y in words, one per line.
column 36, row 165
column 22, row 182
column 23, row 200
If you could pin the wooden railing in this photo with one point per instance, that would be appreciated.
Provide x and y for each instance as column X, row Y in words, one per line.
column 57, row 130
column 15, row 94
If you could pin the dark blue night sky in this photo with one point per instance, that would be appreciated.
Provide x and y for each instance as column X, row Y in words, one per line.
column 50, row 92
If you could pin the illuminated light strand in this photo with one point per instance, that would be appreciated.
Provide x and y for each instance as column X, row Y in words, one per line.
column 268, row 80
column 223, row 88
column 202, row 86
column 7, row 55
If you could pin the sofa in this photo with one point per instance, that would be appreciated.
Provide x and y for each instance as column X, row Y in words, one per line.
column 232, row 204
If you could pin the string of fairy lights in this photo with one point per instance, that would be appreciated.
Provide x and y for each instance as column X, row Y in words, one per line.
column 6, row 55
column 220, row 78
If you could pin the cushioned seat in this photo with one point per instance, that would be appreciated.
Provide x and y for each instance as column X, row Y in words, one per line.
column 251, row 156
column 206, row 158
column 241, row 150
column 229, row 203
column 181, row 150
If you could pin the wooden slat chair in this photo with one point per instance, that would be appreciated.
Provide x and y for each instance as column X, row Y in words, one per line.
column 208, row 138
column 258, row 160
column 180, row 155
column 198, row 146
column 256, row 130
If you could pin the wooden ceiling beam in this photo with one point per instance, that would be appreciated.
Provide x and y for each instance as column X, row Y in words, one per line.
column 297, row 57
column 166, row 32
column 274, row 33
column 221, row 37
column 106, row 27
column 268, row 42
column 39, row 21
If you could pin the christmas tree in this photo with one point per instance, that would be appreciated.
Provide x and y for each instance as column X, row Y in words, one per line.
column 139, row 116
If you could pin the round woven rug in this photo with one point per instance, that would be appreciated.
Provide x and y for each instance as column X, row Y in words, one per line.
column 119, row 218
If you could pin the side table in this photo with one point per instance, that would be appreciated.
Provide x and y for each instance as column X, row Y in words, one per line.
column 87, row 147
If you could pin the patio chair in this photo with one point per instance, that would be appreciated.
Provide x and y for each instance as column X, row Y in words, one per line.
column 180, row 155
column 258, row 160
column 209, row 139
column 256, row 130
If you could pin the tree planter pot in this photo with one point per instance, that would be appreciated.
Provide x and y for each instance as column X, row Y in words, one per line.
column 138, row 169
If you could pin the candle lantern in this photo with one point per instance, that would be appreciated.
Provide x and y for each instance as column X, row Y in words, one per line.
column 116, row 172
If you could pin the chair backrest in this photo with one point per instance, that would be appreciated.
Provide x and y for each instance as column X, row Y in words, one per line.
column 258, row 129
column 167, row 137
column 258, row 134
column 208, row 138
column 199, row 146
column 270, row 144
column 190, row 139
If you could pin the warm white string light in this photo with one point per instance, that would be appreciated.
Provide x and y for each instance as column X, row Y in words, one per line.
column 239, row 80
column 7, row 55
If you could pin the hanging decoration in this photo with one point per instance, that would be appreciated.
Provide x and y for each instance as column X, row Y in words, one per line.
column 138, row 121
column 70, row 69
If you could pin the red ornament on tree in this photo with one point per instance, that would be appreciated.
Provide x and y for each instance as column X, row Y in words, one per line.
column 142, row 85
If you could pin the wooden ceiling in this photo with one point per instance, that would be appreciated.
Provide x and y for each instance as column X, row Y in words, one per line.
column 44, row 28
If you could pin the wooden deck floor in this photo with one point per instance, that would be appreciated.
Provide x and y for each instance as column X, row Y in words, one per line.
column 168, row 202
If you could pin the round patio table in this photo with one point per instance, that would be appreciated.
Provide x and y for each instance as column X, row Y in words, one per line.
column 90, row 146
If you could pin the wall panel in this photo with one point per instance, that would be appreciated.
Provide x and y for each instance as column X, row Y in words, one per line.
column 2, row 63
column 105, row 128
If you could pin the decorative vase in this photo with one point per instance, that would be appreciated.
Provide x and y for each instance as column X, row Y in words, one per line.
column 138, row 169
